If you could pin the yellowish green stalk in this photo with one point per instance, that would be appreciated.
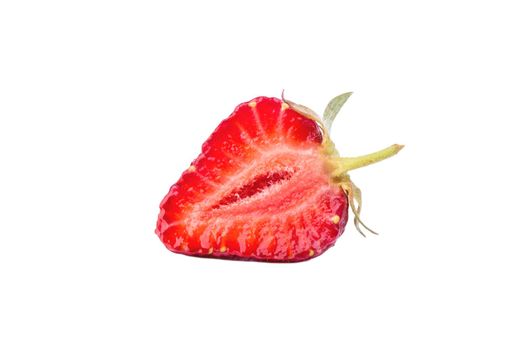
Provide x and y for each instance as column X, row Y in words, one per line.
column 344, row 164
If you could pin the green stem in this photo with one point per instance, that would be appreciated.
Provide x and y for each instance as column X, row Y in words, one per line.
column 345, row 164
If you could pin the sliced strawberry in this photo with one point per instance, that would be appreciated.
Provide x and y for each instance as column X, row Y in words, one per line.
column 267, row 186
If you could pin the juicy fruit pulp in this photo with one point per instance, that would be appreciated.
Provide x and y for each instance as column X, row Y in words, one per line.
column 267, row 186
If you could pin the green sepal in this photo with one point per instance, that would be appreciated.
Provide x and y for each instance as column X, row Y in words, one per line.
column 333, row 108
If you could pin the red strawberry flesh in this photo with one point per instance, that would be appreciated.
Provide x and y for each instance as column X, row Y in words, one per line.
column 259, row 190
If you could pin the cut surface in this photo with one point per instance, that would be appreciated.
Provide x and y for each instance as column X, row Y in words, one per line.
column 259, row 190
column 256, row 185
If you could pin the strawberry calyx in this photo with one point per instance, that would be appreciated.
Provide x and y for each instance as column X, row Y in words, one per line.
column 338, row 166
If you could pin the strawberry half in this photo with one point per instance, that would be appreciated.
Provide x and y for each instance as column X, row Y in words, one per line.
column 269, row 185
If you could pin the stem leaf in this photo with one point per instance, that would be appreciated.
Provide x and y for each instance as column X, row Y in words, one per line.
column 333, row 108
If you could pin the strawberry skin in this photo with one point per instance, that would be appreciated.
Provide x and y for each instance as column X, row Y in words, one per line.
column 267, row 186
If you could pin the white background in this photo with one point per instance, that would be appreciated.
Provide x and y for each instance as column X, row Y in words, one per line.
column 104, row 103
